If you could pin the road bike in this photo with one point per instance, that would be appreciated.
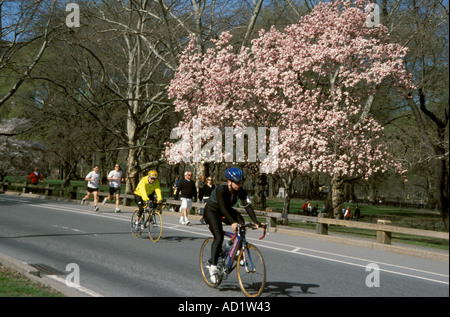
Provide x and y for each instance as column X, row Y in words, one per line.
column 150, row 219
column 237, row 253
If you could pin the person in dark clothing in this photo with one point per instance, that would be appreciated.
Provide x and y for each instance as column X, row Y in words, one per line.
column 204, row 194
column 187, row 191
column 357, row 213
column 220, row 208
column 314, row 210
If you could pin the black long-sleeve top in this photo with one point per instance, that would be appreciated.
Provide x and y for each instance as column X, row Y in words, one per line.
column 186, row 189
column 222, row 201
column 205, row 191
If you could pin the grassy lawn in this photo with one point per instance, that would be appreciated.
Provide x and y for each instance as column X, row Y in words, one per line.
column 13, row 284
column 409, row 218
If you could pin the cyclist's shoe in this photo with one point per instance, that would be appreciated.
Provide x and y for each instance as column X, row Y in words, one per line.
column 137, row 227
column 214, row 274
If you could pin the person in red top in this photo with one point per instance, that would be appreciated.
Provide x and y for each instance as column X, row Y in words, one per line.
column 305, row 208
column 35, row 177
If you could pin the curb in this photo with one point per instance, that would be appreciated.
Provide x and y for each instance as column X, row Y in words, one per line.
column 35, row 276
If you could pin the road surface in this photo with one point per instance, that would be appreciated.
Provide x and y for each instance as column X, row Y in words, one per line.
column 71, row 238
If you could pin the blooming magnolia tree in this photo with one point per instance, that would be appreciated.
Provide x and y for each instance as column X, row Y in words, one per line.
column 315, row 82
column 17, row 157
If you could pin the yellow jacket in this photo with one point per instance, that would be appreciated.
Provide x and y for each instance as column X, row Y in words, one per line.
column 144, row 189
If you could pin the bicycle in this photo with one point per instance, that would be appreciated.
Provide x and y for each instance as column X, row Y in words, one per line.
column 251, row 270
column 151, row 219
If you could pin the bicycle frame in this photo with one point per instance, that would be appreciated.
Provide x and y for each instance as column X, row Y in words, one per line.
column 231, row 254
column 240, row 254
column 150, row 218
column 240, row 242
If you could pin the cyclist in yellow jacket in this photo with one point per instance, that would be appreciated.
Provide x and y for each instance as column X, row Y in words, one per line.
column 146, row 190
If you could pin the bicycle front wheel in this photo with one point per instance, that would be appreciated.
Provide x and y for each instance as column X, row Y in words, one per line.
column 205, row 262
column 155, row 226
column 251, row 271
column 136, row 229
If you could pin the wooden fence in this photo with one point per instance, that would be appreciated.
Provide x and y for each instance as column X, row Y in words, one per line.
column 383, row 228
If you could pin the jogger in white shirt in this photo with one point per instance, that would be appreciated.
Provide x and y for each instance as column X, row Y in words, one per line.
column 93, row 179
column 115, row 181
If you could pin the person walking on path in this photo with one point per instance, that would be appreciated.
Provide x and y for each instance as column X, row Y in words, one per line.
column 187, row 191
column 204, row 194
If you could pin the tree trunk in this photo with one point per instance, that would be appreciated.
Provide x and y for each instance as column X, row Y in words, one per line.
column 201, row 169
column 288, row 181
column 133, row 168
column 271, row 188
column 337, row 196
column 286, row 205
column 259, row 198
column 435, row 145
column 442, row 188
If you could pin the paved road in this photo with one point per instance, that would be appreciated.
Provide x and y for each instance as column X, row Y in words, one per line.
column 112, row 262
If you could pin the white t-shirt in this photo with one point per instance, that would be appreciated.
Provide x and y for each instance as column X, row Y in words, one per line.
column 96, row 177
column 116, row 183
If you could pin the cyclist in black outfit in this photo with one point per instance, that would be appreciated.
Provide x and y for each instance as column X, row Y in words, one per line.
column 220, row 208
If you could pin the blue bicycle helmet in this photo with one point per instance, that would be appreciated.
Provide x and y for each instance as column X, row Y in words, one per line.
column 234, row 174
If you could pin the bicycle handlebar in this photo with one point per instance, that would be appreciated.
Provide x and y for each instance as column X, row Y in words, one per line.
column 159, row 205
column 251, row 225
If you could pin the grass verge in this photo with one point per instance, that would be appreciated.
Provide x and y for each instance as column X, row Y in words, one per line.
column 14, row 284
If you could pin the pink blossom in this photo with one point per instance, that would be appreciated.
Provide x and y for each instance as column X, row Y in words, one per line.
column 311, row 81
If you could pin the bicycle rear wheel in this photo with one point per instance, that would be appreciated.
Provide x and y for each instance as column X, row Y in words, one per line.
column 136, row 228
column 251, row 271
column 205, row 262
column 155, row 226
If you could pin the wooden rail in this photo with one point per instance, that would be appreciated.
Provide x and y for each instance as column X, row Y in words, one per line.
column 383, row 228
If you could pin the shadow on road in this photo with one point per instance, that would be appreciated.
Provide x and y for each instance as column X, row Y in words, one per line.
column 177, row 239
column 274, row 289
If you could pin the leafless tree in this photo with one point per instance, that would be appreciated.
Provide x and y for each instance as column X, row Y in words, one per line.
column 422, row 26
column 16, row 36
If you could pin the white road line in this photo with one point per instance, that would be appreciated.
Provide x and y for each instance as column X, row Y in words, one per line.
column 79, row 288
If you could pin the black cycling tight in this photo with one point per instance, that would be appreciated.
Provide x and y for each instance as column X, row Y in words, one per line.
column 141, row 203
column 214, row 222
